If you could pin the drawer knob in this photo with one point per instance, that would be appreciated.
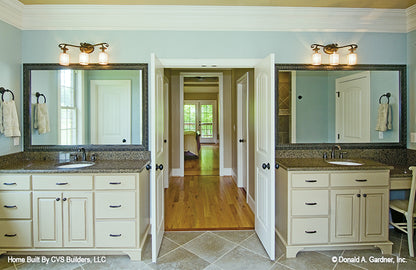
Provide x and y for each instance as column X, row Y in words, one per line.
column 311, row 181
column 115, row 183
column 115, row 235
column 311, row 203
column 115, row 206
column 10, row 235
column 10, row 206
column 310, row 231
column 361, row 180
column 62, row 183
column 9, row 184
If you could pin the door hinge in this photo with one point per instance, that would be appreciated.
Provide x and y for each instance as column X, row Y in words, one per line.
column 338, row 93
column 338, row 136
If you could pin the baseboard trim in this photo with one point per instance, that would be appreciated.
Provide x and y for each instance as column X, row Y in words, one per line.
column 235, row 178
column 251, row 203
column 176, row 172
column 227, row 172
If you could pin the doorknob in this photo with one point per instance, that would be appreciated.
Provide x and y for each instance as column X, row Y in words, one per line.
column 266, row 166
column 160, row 167
column 241, row 140
column 165, row 141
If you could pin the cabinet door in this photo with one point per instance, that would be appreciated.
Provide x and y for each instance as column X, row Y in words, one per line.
column 374, row 215
column 77, row 219
column 345, row 207
column 47, row 219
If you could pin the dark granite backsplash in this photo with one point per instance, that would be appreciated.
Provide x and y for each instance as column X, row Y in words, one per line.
column 64, row 156
column 386, row 156
column 411, row 157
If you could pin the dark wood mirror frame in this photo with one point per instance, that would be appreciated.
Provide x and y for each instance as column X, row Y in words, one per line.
column 27, row 68
column 402, row 106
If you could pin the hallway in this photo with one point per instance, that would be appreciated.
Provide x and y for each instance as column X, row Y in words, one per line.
column 202, row 200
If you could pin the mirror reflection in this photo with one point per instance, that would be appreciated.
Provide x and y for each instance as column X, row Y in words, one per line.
column 338, row 106
column 85, row 106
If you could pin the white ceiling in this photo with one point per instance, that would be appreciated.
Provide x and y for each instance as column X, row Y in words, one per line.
column 391, row 4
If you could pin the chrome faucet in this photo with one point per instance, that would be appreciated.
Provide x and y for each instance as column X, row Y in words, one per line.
column 83, row 154
column 333, row 150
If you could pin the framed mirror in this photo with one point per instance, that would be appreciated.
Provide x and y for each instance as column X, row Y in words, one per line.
column 94, row 106
column 355, row 106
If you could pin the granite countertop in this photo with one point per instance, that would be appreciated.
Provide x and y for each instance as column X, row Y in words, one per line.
column 319, row 164
column 100, row 166
column 401, row 171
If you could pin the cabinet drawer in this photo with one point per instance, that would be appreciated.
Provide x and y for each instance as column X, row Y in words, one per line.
column 376, row 178
column 115, row 234
column 16, row 233
column 14, row 182
column 309, row 230
column 115, row 182
column 115, row 204
column 15, row 204
column 61, row 182
column 310, row 180
column 310, row 202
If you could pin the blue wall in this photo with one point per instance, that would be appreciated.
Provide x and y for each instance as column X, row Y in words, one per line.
column 411, row 87
column 289, row 47
column 10, row 77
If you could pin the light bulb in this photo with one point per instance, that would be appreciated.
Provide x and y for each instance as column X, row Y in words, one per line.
column 103, row 58
column 316, row 59
column 334, row 59
column 84, row 58
column 352, row 59
column 64, row 59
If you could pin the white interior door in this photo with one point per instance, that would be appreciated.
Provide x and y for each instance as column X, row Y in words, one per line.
column 157, row 153
column 352, row 108
column 110, row 111
column 166, row 132
column 264, row 145
column 242, row 133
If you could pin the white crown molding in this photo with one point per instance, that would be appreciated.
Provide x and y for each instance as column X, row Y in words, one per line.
column 411, row 18
column 205, row 18
column 11, row 12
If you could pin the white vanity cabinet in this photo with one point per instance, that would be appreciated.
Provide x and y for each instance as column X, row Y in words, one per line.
column 15, row 211
column 332, row 209
column 78, row 213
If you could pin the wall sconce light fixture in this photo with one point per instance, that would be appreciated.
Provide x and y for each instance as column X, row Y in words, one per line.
column 84, row 57
column 332, row 50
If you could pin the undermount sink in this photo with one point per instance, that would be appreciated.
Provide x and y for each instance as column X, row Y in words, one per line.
column 344, row 162
column 75, row 165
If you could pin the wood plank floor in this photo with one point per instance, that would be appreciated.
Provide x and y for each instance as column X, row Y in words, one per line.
column 206, row 164
column 202, row 200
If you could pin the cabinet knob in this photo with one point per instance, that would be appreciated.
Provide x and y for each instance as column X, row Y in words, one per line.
column 159, row 167
column 358, row 195
column 124, row 140
column 64, row 199
column 58, row 199
column 241, row 140
column 148, row 167
column 364, row 195
column 277, row 166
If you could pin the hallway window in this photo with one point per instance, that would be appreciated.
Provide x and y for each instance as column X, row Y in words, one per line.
column 189, row 113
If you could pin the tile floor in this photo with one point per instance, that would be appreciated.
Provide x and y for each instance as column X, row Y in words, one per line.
column 228, row 250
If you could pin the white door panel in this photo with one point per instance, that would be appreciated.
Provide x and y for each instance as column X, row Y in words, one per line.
column 110, row 111
column 157, row 154
column 264, row 111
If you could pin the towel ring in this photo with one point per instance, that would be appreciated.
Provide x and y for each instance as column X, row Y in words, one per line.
column 387, row 95
column 40, row 95
column 3, row 91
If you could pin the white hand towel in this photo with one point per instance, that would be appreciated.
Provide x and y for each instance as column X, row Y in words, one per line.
column 384, row 117
column 42, row 118
column 1, row 117
column 10, row 119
